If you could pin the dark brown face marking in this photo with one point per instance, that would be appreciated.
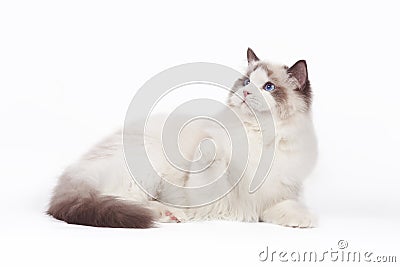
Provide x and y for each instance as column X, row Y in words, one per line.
column 260, row 64
column 280, row 95
column 238, row 84
column 264, row 66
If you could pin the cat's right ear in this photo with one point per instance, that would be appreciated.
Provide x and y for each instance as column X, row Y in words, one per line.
column 251, row 56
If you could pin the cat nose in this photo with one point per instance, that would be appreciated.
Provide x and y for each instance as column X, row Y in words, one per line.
column 246, row 93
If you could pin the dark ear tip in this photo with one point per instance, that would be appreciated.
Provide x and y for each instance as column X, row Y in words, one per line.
column 251, row 56
column 299, row 63
column 299, row 71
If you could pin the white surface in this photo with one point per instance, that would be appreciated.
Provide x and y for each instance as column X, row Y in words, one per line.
column 68, row 72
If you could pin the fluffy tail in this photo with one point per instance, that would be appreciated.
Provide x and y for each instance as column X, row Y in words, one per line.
column 92, row 209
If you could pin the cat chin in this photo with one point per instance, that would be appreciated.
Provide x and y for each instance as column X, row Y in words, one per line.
column 242, row 109
column 246, row 113
column 252, row 109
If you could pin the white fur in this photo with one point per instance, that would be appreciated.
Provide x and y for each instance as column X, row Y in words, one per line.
column 277, row 200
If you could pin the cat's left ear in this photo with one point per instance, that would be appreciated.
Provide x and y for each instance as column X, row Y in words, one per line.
column 299, row 71
column 251, row 56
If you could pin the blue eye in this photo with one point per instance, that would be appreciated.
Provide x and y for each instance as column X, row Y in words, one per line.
column 269, row 86
column 246, row 82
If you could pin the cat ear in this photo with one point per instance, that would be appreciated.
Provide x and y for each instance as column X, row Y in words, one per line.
column 299, row 71
column 251, row 56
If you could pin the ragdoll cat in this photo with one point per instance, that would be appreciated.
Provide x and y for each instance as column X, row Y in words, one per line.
column 98, row 190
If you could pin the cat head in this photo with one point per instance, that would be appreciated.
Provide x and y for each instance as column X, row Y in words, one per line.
column 286, row 90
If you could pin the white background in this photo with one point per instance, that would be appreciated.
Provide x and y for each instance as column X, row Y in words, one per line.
column 68, row 71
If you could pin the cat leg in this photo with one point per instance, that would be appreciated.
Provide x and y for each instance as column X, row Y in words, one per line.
column 289, row 213
column 166, row 213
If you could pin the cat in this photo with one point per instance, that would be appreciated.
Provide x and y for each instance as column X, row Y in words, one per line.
column 98, row 190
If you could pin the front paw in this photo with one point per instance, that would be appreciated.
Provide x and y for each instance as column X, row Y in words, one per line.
column 289, row 213
column 167, row 214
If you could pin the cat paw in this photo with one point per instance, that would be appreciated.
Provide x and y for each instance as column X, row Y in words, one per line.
column 176, row 216
column 290, row 213
column 166, row 214
column 171, row 216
